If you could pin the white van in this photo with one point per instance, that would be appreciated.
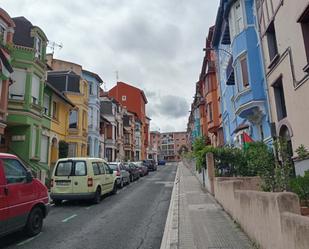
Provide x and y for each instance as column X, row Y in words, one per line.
column 81, row 179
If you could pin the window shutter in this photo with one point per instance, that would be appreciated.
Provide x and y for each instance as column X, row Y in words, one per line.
column 44, row 149
column 35, row 89
column 17, row 89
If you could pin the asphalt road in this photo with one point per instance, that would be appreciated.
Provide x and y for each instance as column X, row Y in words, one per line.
column 134, row 218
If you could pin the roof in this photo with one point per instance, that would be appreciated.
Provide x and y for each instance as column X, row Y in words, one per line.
column 22, row 32
column 96, row 76
column 59, row 94
column 141, row 91
column 6, row 17
column 80, row 158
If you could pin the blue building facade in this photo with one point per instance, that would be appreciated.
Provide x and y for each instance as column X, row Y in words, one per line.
column 94, row 82
column 244, row 103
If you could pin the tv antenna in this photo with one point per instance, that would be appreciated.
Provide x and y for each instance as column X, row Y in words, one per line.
column 53, row 45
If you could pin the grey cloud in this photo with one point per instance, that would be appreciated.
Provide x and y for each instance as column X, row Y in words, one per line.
column 173, row 106
column 155, row 45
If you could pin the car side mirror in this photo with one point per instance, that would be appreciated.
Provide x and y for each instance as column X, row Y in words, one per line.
column 29, row 177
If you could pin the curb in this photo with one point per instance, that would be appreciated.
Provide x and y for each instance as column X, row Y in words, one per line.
column 170, row 238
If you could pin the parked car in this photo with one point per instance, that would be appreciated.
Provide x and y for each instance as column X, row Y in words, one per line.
column 143, row 170
column 133, row 170
column 161, row 162
column 23, row 199
column 120, row 173
column 151, row 164
column 82, row 179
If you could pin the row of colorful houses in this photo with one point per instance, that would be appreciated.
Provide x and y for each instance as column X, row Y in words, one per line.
column 51, row 107
column 258, row 55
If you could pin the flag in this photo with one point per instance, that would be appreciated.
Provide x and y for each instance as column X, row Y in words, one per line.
column 246, row 140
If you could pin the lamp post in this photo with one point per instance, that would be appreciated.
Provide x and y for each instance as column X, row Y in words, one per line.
column 222, row 49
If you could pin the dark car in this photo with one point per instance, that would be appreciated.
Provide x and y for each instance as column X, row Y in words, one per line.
column 133, row 170
column 150, row 164
column 161, row 162
column 143, row 170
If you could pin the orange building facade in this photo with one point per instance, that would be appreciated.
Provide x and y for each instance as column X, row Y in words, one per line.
column 208, row 89
column 134, row 100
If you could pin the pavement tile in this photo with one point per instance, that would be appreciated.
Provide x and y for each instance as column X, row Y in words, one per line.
column 203, row 224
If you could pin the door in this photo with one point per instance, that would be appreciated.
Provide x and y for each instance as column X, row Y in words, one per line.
column 20, row 193
column 80, row 178
column 3, row 200
column 97, row 177
column 63, row 178
column 104, row 181
column 109, row 178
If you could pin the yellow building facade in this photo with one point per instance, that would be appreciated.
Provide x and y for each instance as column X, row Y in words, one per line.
column 72, row 125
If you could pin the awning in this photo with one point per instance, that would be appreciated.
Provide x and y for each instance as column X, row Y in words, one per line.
column 230, row 77
column 6, row 68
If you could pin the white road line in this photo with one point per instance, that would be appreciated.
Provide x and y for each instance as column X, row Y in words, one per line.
column 69, row 218
column 28, row 240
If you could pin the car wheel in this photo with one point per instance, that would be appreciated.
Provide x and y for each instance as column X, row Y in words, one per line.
column 128, row 180
column 97, row 196
column 57, row 202
column 114, row 191
column 35, row 222
column 121, row 183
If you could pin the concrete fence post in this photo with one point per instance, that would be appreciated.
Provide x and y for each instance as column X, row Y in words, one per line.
column 211, row 171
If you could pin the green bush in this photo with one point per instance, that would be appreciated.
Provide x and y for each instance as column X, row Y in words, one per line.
column 300, row 186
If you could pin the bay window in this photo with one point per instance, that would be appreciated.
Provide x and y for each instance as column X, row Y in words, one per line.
column 73, row 119
column 236, row 19
column 17, row 89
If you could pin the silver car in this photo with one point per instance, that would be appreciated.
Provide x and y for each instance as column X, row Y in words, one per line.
column 120, row 173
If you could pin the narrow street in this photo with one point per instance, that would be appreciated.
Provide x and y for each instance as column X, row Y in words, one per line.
column 133, row 218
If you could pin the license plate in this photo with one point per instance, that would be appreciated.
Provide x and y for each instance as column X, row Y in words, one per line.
column 62, row 183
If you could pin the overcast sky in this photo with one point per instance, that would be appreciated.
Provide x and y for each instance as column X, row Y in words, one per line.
column 154, row 45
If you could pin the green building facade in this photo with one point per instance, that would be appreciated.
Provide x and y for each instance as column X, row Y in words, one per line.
column 28, row 124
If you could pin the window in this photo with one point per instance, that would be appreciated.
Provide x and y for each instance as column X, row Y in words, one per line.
column 80, row 169
column 35, row 89
column 44, row 149
column 272, row 41
column 90, row 85
column 2, row 34
column 46, row 104
column 55, row 110
column 236, row 19
column 91, row 117
column 244, row 71
column 64, row 168
column 124, row 98
column 109, row 154
column 73, row 119
column 34, row 141
column 261, row 132
column 72, row 150
column 209, row 112
column 17, row 89
column 101, row 167
column 85, row 120
column 107, row 168
column 304, row 21
column 14, row 171
column 279, row 99
column 38, row 47
column 96, row 169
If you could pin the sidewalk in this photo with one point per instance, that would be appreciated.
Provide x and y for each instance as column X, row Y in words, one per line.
column 202, row 223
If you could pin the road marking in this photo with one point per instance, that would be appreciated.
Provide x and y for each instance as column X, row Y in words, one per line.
column 69, row 218
column 28, row 240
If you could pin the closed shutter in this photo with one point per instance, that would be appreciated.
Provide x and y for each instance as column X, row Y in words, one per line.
column 17, row 89
column 44, row 149
column 35, row 89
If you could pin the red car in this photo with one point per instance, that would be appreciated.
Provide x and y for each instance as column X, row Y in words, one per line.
column 23, row 200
